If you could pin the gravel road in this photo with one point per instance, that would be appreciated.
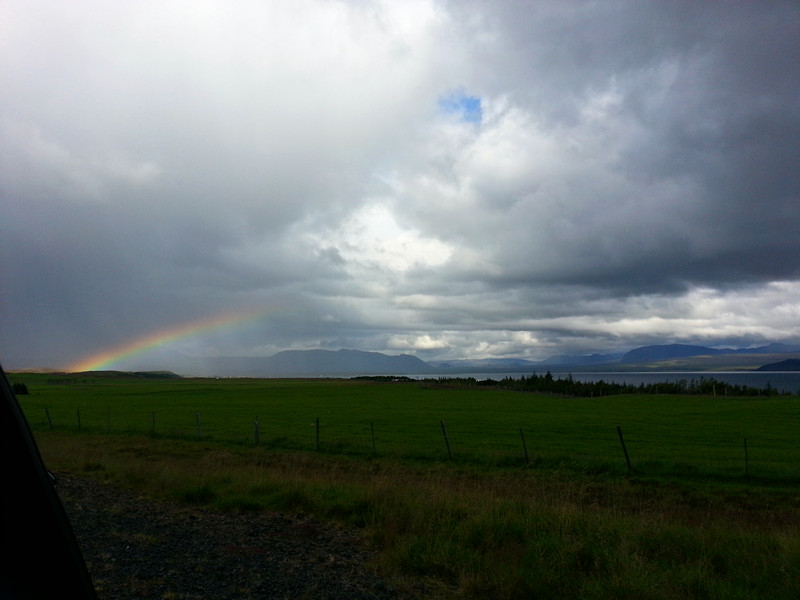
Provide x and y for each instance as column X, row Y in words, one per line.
column 136, row 547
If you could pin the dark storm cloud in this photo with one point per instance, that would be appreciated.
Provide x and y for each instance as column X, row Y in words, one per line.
column 453, row 179
column 671, row 131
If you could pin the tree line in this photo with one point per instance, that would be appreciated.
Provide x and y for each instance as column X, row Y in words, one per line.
column 569, row 386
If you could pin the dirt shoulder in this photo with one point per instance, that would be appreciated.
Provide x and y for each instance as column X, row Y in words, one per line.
column 136, row 547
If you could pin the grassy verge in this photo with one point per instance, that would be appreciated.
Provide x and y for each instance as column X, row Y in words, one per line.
column 472, row 531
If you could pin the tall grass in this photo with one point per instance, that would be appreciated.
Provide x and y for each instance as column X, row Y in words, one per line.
column 450, row 530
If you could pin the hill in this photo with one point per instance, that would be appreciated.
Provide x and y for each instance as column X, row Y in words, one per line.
column 790, row 364
column 667, row 352
column 683, row 357
column 341, row 362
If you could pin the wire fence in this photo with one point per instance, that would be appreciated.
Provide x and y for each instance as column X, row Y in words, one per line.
column 603, row 447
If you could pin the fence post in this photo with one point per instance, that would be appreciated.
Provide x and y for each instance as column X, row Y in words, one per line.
column 317, row 439
column 446, row 439
column 108, row 419
column 524, row 445
column 79, row 419
column 154, row 423
column 49, row 420
column 372, row 430
column 624, row 449
column 256, row 439
column 199, row 427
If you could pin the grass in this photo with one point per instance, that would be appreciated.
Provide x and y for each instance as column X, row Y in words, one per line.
column 663, row 434
column 570, row 523
column 466, row 531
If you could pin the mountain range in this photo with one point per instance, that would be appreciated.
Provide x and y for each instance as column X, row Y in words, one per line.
column 664, row 357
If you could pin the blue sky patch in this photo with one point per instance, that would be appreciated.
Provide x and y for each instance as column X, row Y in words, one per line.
column 469, row 107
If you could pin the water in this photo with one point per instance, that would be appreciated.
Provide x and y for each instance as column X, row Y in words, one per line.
column 784, row 381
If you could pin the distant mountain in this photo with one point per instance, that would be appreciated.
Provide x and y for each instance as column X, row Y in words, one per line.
column 775, row 348
column 291, row 363
column 582, row 359
column 482, row 365
column 341, row 362
column 702, row 358
column 647, row 354
column 790, row 364
column 316, row 363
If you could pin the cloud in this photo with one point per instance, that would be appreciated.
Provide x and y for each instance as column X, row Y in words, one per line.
column 444, row 178
column 416, row 343
column 370, row 238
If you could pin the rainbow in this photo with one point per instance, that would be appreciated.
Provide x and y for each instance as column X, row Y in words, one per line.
column 106, row 358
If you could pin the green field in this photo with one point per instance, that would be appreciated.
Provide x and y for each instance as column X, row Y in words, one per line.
column 694, row 519
column 670, row 432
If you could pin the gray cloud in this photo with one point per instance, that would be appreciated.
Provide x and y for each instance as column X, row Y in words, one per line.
column 629, row 178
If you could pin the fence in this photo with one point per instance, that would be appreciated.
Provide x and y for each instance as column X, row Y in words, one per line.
column 600, row 447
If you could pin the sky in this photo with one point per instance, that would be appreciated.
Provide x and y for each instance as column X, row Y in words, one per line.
column 183, row 180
